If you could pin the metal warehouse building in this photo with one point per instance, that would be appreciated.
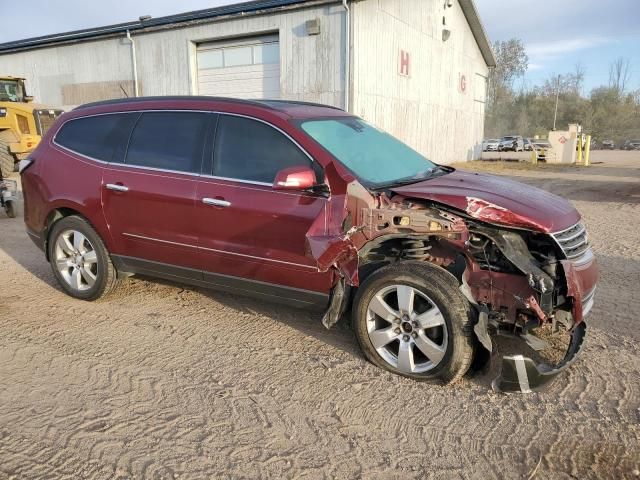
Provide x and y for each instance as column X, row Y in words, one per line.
column 416, row 68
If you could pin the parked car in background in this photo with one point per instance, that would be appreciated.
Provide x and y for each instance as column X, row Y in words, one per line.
column 608, row 145
column 541, row 143
column 490, row 145
column 511, row 143
column 299, row 203
column 631, row 145
column 542, row 148
column 526, row 145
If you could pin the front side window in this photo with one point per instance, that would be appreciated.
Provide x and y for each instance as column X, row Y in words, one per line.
column 375, row 157
column 169, row 141
column 102, row 137
column 250, row 150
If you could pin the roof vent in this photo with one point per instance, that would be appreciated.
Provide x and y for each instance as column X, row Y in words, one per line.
column 144, row 18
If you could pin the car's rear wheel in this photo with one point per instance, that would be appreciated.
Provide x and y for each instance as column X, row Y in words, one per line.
column 411, row 319
column 10, row 209
column 80, row 260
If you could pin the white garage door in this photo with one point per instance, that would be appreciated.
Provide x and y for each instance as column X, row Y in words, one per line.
column 243, row 69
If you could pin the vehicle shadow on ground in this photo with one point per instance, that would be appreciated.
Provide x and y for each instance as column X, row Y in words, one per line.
column 306, row 321
column 340, row 336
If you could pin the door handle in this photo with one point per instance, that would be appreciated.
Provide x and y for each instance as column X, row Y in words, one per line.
column 116, row 187
column 216, row 202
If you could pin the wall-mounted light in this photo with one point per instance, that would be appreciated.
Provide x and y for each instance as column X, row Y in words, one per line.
column 446, row 33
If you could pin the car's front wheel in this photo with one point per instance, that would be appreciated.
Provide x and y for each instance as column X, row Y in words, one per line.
column 411, row 319
column 80, row 260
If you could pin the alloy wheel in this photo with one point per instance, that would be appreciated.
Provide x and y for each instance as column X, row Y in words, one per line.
column 76, row 260
column 407, row 329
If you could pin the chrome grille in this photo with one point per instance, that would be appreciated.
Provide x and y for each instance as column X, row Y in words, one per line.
column 573, row 241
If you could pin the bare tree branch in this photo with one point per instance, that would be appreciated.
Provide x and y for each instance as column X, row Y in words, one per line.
column 619, row 74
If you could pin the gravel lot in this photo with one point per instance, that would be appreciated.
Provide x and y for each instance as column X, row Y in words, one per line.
column 170, row 382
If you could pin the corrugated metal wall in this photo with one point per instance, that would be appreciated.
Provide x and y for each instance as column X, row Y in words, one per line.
column 312, row 67
column 427, row 109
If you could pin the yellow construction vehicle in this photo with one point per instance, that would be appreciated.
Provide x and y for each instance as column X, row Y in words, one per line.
column 22, row 123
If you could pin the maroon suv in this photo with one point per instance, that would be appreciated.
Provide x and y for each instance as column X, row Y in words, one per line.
column 312, row 206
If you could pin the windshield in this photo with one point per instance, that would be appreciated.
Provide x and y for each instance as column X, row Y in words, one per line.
column 11, row 91
column 375, row 157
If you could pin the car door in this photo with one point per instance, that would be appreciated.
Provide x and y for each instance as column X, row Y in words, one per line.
column 251, row 236
column 149, row 198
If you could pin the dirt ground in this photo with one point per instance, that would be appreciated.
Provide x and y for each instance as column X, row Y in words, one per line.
column 170, row 382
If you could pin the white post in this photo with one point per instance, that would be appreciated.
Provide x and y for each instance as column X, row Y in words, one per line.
column 555, row 115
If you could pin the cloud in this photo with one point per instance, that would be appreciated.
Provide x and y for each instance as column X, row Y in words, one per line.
column 561, row 47
column 543, row 53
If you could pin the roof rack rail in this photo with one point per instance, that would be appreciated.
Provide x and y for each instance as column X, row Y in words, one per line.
column 118, row 101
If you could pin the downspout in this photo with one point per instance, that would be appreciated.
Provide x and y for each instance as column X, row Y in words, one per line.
column 135, row 65
column 347, row 55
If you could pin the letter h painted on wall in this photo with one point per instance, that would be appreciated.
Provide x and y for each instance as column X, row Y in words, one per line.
column 404, row 64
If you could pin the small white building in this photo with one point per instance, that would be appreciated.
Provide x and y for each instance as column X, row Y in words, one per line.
column 416, row 68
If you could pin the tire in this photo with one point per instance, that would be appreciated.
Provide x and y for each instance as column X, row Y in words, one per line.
column 7, row 163
column 451, row 346
column 10, row 209
column 81, row 273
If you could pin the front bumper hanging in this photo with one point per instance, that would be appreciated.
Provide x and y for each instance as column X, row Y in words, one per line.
column 521, row 374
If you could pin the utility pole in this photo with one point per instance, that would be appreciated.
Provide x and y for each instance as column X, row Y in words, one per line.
column 555, row 115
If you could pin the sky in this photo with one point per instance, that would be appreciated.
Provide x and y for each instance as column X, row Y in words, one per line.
column 562, row 33
column 558, row 34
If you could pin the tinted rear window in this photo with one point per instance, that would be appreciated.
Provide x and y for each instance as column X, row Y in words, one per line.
column 169, row 141
column 103, row 137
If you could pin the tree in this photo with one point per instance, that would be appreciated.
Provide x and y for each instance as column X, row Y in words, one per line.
column 619, row 74
column 607, row 112
column 512, row 62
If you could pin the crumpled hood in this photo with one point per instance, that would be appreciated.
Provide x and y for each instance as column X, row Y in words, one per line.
column 496, row 200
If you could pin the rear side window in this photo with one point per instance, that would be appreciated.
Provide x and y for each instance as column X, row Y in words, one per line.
column 250, row 150
column 103, row 137
column 169, row 141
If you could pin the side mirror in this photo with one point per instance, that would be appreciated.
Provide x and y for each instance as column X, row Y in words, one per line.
column 295, row 178
column 28, row 98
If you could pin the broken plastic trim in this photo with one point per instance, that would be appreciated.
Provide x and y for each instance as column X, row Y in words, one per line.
column 521, row 374
column 338, row 304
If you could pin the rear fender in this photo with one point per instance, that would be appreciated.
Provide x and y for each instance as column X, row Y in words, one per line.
column 64, row 209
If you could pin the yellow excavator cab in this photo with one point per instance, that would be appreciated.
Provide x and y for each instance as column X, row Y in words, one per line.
column 22, row 123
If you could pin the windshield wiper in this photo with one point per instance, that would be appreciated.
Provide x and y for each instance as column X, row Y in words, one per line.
column 431, row 173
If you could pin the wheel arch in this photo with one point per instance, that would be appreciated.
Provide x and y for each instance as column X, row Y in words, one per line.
column 388, row 250
column 393, row 248
column 64, row 210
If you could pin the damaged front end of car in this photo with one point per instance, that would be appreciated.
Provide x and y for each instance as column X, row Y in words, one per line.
column 527, row 285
